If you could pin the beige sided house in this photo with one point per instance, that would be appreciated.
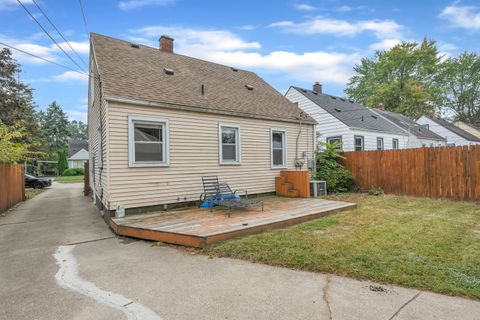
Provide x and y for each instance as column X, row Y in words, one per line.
column 158, row 121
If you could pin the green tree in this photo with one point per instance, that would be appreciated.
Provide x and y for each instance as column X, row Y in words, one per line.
column 16, row 101
column 12, row 148
column 62, row 162
column 77, row 130
column 404, row 79
column 461, row 78
column 55, row 127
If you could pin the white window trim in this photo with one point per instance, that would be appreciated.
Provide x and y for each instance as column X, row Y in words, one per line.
column 363, row 142
column 383, row 143
column 393, row 143
column 131, row 141
column 328, row 139
column 285, row 152
column 238, row 149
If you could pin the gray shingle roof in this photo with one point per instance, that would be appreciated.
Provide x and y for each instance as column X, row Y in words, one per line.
column 409, row 125
column 350, row 113
column 139, row 73
column 76, row 145
column 453, row 128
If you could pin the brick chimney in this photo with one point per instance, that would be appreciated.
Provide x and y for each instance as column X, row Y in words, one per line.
column 317, row 87
column 166, row 44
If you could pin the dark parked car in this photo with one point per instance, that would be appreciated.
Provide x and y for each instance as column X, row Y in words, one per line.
column 36, row 182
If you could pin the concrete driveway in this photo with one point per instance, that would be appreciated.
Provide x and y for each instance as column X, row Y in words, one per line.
column 59, row 260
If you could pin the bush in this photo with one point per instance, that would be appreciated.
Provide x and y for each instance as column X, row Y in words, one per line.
column 337, row 177
column 375, row 191
column 62, row 161
column 73, row 172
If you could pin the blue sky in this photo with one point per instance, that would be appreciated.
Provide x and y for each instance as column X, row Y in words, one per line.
column 286, row 43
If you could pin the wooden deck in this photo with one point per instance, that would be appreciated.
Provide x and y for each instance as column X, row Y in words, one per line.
column 198, row 227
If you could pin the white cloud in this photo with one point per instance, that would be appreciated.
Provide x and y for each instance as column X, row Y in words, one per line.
column 467, row 17
column 198, row 39
column 247, row 27
column 75, row 114
column 320, row 25
column 71, row 76
column 304, row 7
column 11, row 4
column 133, row 4
column 225, row 47
column 385, row 44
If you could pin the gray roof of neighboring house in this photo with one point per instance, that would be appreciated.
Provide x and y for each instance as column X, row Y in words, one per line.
column 139, row 73
column 409, row 125
column 350, row 113
column 76, row 145
column 453, row 128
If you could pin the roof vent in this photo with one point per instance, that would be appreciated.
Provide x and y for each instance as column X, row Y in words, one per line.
column 249, row 87
column 134, row 45
column 334, row 98
column 343, row 99
column 315, row 93
column 202, row 91
column 338, row 110
column 374, row 117
column 304, row 90
column 234, row 69
column 168, row 71
column 351, row 101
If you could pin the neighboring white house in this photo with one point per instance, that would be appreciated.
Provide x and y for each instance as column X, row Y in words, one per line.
column 418, row 135
column 470, row 128
column 77, row 153
column 341, row 120
column 158, row 121
column 454, row 135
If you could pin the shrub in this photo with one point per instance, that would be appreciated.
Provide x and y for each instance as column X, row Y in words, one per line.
column 73, row 172
column 62, row 161
column 337, row 177
column 375, row 191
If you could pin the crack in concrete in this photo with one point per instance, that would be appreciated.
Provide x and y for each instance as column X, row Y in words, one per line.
column 404, row 305
column 88, row 241
column 325, row 297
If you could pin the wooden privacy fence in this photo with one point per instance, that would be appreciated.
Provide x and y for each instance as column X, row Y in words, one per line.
column 12, row 185
column 443, row 172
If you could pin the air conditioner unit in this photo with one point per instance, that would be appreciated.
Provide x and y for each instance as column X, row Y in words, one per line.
column 318, row 188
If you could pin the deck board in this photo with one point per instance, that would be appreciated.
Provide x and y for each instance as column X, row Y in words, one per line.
column 199, row 227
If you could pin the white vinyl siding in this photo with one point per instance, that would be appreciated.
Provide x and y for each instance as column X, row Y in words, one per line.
column 194, row 152
column 147, row 141
column 278, row 148
column 329, row 127
column 452, row 138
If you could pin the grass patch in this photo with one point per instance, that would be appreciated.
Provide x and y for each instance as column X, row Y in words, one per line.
column 31, row 193
column 69, row 179
column 414, row 242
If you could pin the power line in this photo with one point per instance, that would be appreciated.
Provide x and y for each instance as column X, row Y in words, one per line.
column 46, row 60
column 84, row 18
column 58, row 31
column 48, row 34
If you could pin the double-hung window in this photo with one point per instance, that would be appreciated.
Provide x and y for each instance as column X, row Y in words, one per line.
column 147, row 141
column 335, row 140
column 395, row 144
column 278, row 144
column 229, row 144
column 379, row 143
column 358, row 143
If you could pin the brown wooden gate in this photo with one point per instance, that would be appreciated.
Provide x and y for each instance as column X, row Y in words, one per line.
column 12, row 185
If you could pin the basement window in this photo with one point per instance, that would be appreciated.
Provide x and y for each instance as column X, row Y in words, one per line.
column 168, row 71
column 147, row 142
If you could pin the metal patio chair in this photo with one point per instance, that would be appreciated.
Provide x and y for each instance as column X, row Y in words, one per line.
column 217, row 193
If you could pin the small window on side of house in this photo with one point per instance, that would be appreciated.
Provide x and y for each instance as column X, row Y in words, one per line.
column 147, row 141
column 379, row 143
column 358, row 143
column 278, row 143
column 229, row 144
column 335, row 140
column 395, row 144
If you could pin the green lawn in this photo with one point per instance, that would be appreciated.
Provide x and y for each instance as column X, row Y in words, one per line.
column 414, row 242
column 69, row 179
